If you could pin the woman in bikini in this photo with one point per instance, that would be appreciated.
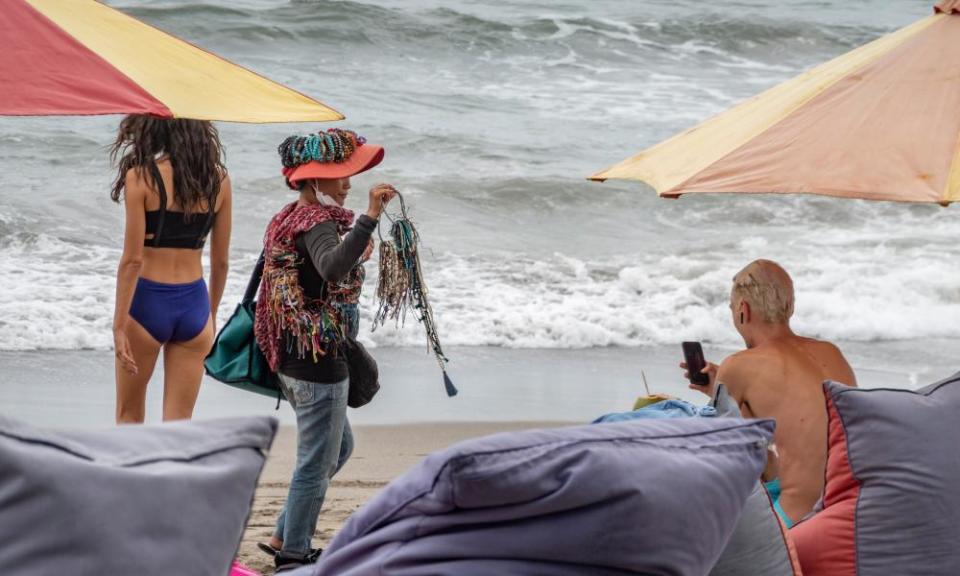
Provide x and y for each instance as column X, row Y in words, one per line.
column 176, row 192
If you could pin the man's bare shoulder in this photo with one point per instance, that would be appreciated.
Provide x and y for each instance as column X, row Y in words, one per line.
column 822, row 346
column 737, row 359
column 741, row 369
column 822, row 359
column 827, row 352
column 751, row 357
column 832, row 360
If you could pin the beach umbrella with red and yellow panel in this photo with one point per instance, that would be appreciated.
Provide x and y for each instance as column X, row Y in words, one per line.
column 880, row 123
column 81, row 57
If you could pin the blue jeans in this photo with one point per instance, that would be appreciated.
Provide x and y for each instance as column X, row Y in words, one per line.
column 324, row 443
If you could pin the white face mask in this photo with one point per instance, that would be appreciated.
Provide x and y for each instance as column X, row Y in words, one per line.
column 322, row 198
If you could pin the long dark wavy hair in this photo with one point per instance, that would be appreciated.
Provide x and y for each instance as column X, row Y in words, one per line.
column 193, row 147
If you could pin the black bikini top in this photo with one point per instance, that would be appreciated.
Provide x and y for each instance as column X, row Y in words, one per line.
column 172, row 229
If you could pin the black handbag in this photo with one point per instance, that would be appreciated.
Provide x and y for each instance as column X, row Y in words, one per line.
column 364, row 374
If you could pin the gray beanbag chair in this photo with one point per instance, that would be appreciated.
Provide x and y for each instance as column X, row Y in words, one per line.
column 891, row 502
column 645, row 497
column 760, row 544
column 134, row 500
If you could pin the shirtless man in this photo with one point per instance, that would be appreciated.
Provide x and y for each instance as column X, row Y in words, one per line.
column 780, row 376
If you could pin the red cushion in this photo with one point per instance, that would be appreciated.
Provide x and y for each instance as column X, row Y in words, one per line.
column 826, row 543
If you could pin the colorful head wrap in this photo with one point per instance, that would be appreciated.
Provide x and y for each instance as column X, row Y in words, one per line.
column 334, row 145
column 336, row 153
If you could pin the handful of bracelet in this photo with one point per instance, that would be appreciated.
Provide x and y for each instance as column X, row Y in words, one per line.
column 401, row 287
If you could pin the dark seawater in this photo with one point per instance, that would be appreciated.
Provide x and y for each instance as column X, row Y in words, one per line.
column 493, row 114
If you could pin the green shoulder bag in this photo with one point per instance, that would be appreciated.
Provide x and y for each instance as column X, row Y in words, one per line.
column 236, row 359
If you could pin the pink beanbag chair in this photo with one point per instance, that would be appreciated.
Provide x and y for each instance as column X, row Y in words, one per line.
column 891, row 504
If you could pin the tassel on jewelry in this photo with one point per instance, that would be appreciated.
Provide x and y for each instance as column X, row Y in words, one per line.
column 451, row 389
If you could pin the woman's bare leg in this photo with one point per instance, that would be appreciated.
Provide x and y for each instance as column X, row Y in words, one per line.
column 183, row 372
column 132, row 388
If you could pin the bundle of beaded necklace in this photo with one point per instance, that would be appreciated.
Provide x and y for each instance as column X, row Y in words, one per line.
column 401, row 287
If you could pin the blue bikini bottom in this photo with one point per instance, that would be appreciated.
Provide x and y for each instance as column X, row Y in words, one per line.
column 171, row 312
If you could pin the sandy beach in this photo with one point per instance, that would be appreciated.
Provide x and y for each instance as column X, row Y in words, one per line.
column 381, row 454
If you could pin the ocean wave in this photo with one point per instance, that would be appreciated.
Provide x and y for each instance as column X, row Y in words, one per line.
column 59, row 295
column 337, row 25
column 568, row 303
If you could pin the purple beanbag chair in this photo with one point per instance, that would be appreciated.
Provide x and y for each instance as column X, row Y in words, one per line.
column 134, row 500
column 759, row 544
column 647, row 497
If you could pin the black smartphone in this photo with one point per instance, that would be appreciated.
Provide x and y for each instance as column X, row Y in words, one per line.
column 693, row 355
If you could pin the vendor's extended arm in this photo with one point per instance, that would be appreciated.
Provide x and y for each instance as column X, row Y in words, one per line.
column 332, row 258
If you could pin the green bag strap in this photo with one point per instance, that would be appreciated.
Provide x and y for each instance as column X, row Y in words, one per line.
column 254, row 284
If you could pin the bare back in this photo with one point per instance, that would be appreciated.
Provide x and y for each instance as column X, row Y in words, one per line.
column 782, row 379
column 165, row 265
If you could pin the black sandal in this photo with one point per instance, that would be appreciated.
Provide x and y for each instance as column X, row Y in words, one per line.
column 285, row 561
column 272, row 552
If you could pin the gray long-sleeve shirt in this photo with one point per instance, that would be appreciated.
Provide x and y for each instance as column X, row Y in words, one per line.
column 326, row 258
column 332, row 258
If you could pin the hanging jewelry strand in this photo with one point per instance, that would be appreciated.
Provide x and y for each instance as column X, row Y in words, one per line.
column 401, row 287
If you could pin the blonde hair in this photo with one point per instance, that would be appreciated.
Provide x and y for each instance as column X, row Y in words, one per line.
column 767, row 288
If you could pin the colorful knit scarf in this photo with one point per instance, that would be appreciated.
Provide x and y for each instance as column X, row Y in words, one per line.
column 282, row 307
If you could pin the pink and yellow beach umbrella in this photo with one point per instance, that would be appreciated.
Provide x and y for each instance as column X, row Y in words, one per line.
column 60, row 57
column 880, row 123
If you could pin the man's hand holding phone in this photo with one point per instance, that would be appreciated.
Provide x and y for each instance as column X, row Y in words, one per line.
column 701, row 374
column 711, row 371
